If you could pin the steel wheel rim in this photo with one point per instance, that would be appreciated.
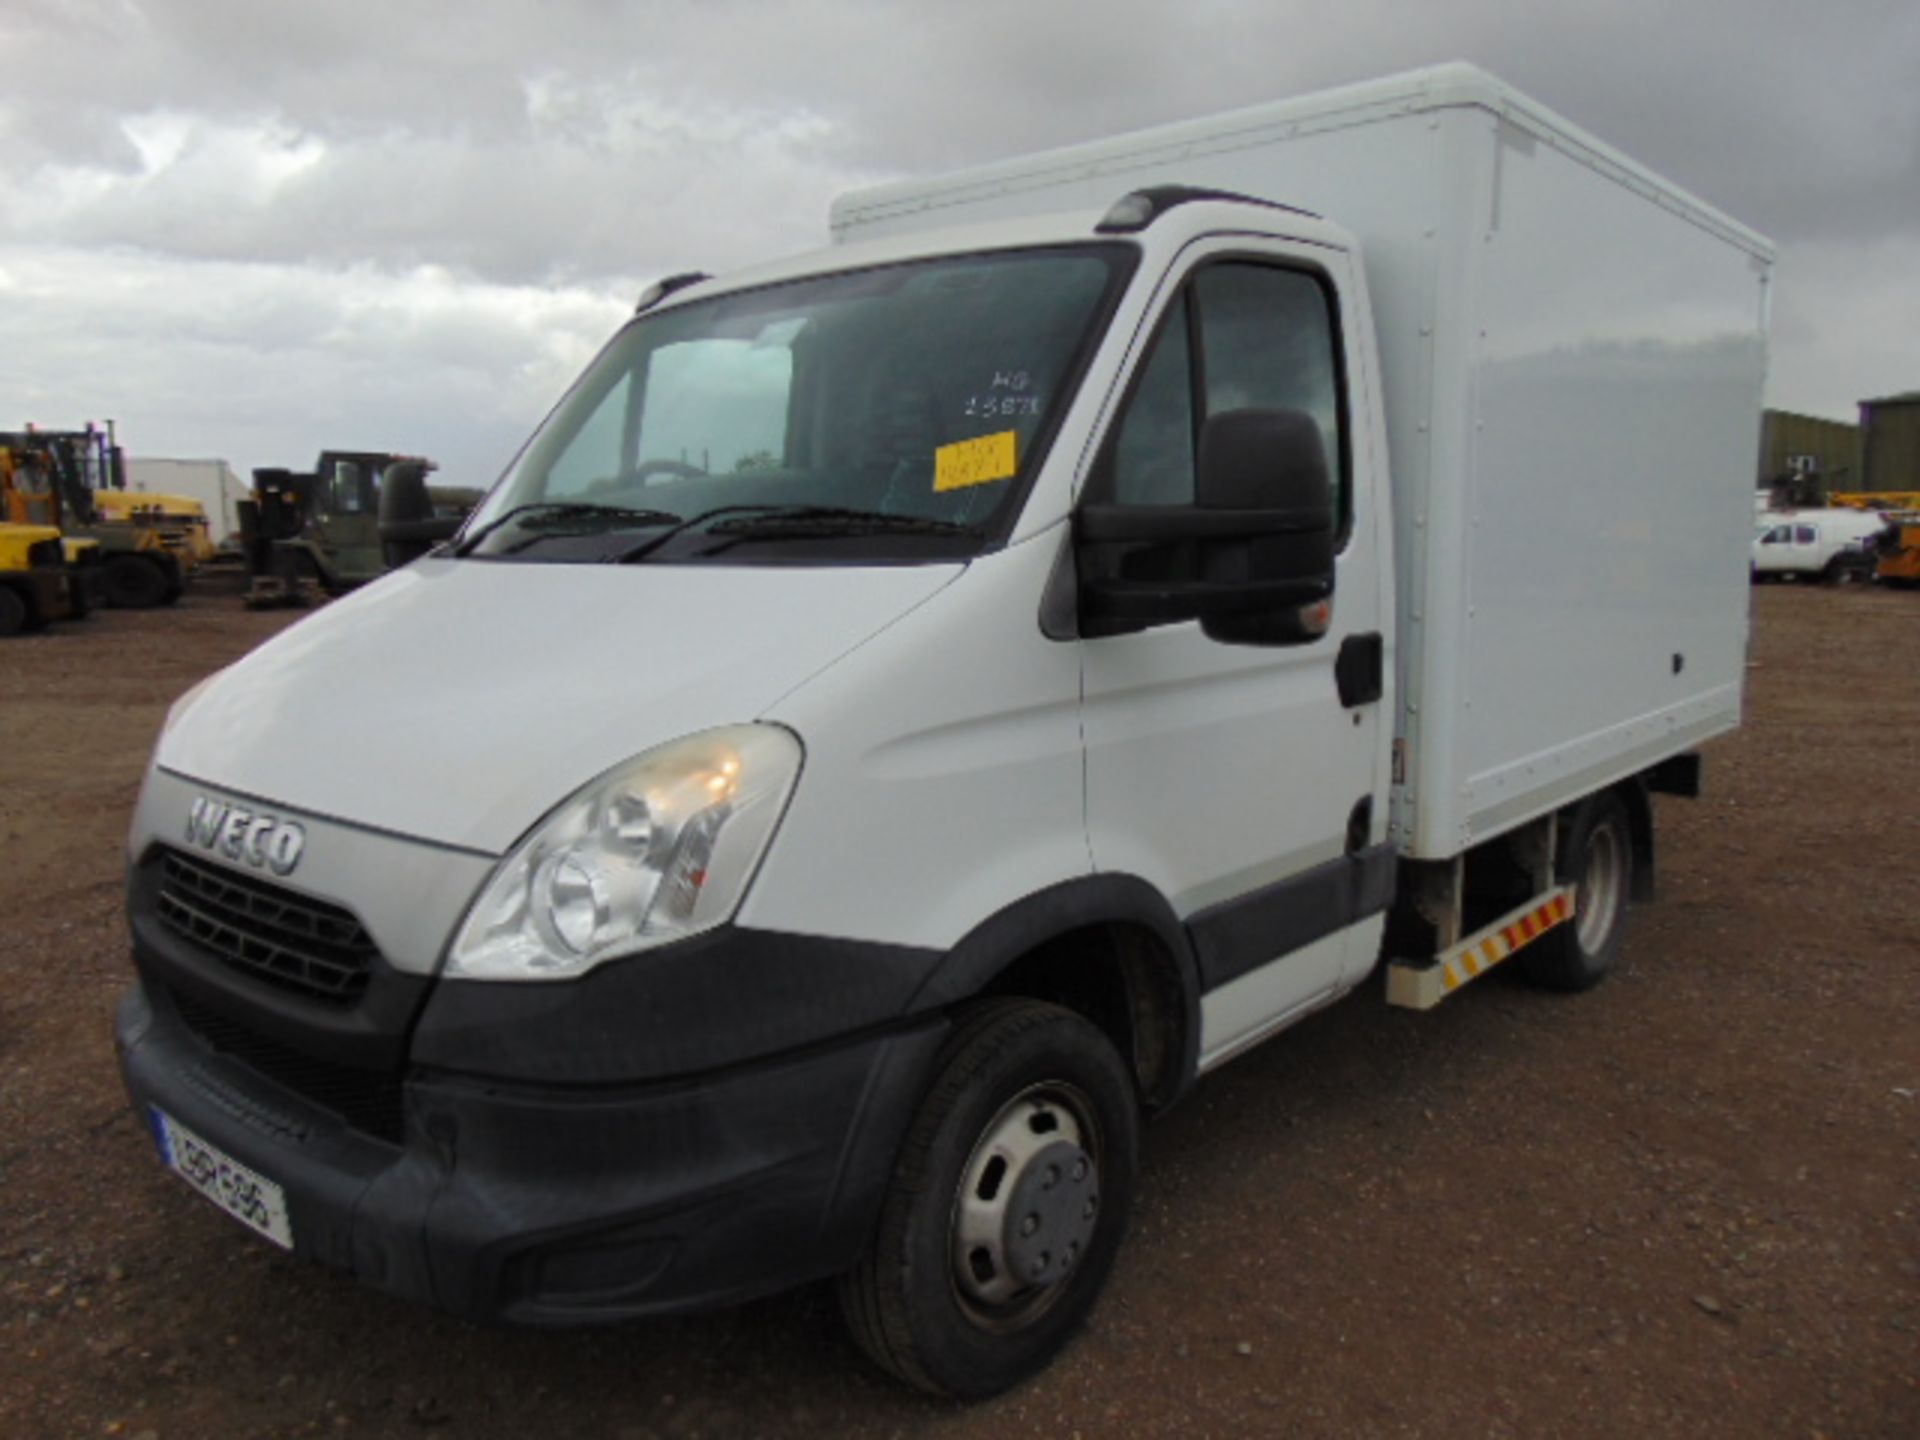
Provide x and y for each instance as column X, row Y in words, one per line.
column 988, row 1294
column 1602, row 884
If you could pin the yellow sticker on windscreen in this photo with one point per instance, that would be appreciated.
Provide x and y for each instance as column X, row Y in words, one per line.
column 980, row 461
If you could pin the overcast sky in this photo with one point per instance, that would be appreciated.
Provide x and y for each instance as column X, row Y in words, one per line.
column 251, row 229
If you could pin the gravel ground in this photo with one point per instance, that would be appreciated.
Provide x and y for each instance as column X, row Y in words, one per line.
column 1684, row 1204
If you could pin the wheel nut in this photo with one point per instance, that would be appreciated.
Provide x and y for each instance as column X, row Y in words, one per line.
column 1030, row 1224
column 1080, row 1169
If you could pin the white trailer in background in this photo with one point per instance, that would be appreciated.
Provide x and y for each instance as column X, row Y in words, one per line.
column 212, row 482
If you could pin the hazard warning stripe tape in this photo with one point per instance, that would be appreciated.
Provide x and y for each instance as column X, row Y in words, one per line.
column 1478, row 956
column 1422, row 984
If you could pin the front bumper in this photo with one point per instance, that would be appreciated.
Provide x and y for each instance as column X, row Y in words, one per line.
column 559, row 1204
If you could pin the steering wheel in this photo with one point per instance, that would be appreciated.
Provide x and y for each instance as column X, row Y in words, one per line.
column 678, row 469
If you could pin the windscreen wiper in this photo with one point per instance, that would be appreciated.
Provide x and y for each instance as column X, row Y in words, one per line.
column 567, row 510
column 814, row 522
column 779, row 522
column 653, row 542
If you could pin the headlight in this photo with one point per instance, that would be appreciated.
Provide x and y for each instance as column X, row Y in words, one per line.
column 654, row 850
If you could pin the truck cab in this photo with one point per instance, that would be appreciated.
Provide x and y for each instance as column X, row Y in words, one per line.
column 333, row 527
column 1016, row 641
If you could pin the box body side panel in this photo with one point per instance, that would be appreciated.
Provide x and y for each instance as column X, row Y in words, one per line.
column 1617, row 356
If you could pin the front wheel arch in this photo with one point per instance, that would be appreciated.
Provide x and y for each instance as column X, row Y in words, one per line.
column 1053, row 944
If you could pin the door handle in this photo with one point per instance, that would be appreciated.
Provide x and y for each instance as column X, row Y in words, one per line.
column 1358, row 672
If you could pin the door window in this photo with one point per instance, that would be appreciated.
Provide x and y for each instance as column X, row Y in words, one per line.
column 1264, row 336
column 345, row 488
column 1153, row 452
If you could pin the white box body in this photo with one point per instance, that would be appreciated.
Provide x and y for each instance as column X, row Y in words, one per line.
column 1571, row 351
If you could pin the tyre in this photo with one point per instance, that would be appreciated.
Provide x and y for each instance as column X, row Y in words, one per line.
column 1007, row 1205
column 15, row 613
column 133, row 583
column 1597, row 860
column 175, row 577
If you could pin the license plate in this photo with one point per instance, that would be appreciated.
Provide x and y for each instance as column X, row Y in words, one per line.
column 243, row 1193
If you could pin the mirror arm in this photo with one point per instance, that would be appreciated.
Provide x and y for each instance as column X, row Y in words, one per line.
column 1165, row 524
column 1155, row 600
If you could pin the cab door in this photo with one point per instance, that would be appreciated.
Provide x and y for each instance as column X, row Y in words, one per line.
column 1246, row 782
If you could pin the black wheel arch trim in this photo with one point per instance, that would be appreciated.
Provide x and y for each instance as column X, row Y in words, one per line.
column 1021, row 928
column 1638, row 797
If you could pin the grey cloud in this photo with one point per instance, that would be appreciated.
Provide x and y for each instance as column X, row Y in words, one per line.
column 1799, row 121
column 620, row 190
column 593, row 145
column 267, row 365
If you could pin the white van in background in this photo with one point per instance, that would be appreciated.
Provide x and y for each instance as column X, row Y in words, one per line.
column 1834, row 546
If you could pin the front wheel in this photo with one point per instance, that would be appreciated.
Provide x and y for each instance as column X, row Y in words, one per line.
column 1007, row 1205
column 1598, row 862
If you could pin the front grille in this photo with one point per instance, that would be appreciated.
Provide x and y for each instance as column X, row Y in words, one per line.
column 368, row 1100
column 290, row 941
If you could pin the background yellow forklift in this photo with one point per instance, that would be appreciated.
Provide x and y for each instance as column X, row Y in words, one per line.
column 1899, row 549
column 43, row 576
column 180, row 521
column 52, row 478
column 1900, row 555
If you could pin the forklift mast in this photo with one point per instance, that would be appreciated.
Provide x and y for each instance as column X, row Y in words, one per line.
column 77, row 463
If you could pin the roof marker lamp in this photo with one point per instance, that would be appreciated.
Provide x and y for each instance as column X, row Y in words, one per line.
column 653, row 851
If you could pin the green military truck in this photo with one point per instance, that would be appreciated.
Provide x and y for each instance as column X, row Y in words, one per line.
column 353, row 517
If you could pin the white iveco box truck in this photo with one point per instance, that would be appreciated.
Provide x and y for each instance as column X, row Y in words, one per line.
column 912, row 709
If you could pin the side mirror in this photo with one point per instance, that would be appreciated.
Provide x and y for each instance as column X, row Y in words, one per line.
column 1275, row 459
column 409, row 528
column 1250, row 559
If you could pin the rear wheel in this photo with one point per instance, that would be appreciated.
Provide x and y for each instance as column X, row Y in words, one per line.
column 131, row 582
column 14, row 611
column 1597, row 861
column 1007, row 1205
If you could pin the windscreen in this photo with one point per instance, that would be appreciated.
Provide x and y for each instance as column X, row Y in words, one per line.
column 906, row 401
